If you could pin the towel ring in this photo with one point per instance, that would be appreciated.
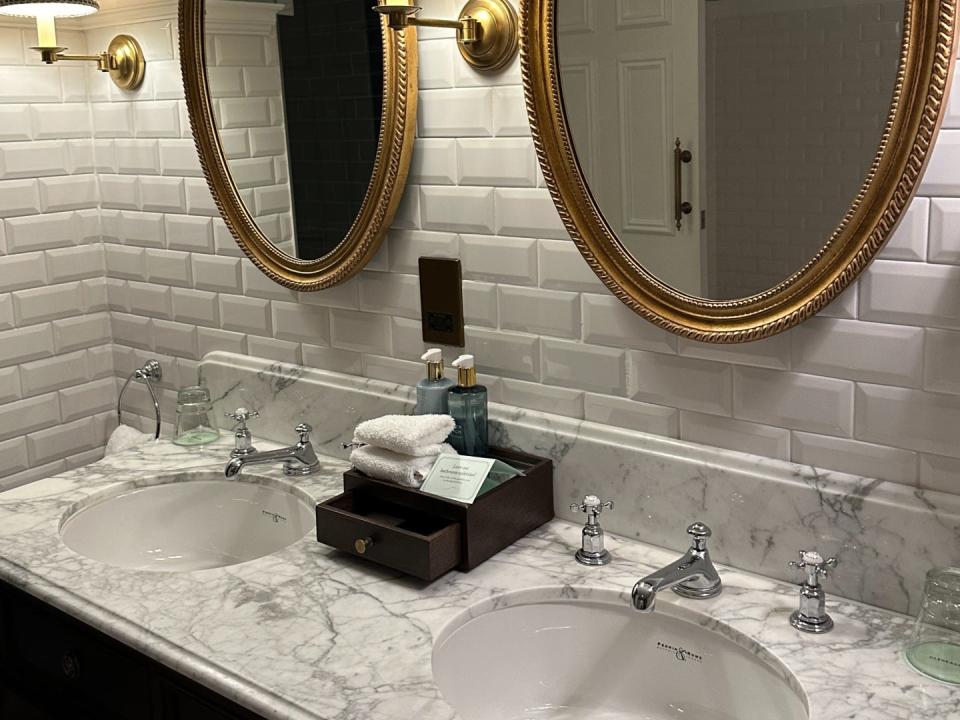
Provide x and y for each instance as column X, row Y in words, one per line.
column 151, row 371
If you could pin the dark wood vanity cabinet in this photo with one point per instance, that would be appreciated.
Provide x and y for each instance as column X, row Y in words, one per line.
column 53, row 666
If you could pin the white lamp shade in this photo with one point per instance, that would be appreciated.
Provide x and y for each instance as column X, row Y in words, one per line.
column 38, row 8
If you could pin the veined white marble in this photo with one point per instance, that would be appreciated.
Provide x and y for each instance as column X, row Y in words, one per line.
column 762, row 511
column 311, row 633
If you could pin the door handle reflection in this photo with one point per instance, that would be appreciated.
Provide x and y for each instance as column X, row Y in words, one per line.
column 681, row 206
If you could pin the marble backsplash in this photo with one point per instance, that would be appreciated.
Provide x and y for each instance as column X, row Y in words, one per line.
column 762, row 511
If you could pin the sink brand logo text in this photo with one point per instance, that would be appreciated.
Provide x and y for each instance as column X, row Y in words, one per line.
column 276, row 517
column 681, row 654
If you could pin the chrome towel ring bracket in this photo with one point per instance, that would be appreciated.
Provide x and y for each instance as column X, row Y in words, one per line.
column 150, row 373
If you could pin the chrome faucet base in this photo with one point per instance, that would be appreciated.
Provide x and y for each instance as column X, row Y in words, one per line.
column 814, row 625
column 593, row 559
column 298, row 470
column 698, row 593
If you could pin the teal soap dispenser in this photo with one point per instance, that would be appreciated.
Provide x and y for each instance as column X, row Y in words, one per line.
column 468, row 406
column 433, row 390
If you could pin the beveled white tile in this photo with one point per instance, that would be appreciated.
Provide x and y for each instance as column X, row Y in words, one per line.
column 406, row 247
column 480, row 304
column 724, row 432
column 504, row 354
column 544, row 312
column 684, row 383
column 245, row 314
column 872, row 352
column 527, row 213
column 434, row 162
column 944, row 231
column 510, row 112
column 588, row 367
column 456, row 113
column 562, row 267
column 909, row 241
column 301, row 323
column 545, row 398
column 940, row 176
column 859, row 458
column 360, row 331
column 457, row 209
column 390, row 293
column 499, row 259
column 911, row 294
column 905, row 418
column 501, row 162
column 792, row 400
column 939, row 473
column 632, row 415
column 941, row 372
column 607, row 321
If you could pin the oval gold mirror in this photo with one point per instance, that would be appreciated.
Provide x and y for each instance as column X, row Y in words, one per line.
column 728, row 167
column 304, row 116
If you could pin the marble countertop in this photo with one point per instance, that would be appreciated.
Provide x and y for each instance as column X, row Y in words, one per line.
column 312, row 633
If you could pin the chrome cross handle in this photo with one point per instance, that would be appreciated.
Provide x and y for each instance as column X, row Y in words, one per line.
column 591, row 550
column 812, row 616
column 243, row 444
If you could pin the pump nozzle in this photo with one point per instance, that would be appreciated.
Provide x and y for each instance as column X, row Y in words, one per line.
column 466, row 372
column 434, row 360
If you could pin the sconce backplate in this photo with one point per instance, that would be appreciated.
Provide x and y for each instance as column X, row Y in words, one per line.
column 499, row 34
column 128, row 65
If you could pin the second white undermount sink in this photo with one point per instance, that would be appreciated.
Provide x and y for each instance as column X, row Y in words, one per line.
column 523, row 657
column 185, row 522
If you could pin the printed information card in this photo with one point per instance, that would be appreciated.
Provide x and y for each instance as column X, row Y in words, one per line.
column 457, row 477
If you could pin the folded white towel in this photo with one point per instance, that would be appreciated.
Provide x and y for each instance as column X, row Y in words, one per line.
column 417, row 435
column 406, row 470
column 124, row 438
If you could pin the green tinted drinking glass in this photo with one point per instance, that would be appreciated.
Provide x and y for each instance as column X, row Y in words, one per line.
column 934, row 647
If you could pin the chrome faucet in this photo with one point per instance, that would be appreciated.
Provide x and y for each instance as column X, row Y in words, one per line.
column 591, row 550
column 692, row 576
column 299, row 459
column 812, row 615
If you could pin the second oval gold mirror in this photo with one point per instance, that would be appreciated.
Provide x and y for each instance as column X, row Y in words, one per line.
column 728, row 167
column 304, row 116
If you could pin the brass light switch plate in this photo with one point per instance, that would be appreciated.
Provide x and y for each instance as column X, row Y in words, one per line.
column 441, row 301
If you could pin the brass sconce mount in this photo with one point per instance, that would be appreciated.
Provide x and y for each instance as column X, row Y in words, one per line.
column 123, row 59
column 488, row 31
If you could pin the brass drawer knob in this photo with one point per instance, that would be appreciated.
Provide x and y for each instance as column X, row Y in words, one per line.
column 361, row 545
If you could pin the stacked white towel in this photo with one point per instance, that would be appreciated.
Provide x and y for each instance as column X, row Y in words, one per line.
column 401, row 448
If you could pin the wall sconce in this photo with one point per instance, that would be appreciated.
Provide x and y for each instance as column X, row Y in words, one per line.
column 123, row 59
column 487, row 30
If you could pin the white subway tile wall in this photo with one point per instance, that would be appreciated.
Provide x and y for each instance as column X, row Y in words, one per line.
column 869, row 387
column 55, row 344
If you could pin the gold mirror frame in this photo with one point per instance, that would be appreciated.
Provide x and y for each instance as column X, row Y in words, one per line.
column 387, row 183
column 916, row 111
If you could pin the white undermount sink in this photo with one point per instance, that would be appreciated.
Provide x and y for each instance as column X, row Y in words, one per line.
column 523, row 657
column 188, row 521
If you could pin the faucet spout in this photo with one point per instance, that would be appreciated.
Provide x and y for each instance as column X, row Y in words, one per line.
column 693, row 575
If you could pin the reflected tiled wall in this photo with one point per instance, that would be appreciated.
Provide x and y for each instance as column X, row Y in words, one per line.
column 871, row 386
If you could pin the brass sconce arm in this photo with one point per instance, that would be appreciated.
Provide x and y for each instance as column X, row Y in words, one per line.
column 487, row 30
column 400, row 17
column 123, row 59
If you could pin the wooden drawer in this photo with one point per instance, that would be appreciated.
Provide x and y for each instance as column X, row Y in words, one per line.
column 420, row 545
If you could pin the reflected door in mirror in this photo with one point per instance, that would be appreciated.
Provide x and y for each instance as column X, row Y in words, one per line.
column 781, row 105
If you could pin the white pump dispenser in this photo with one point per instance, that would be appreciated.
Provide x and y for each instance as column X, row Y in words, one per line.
column 433, row 390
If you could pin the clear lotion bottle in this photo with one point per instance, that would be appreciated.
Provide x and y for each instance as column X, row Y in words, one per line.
column 433, row 390
column 468, row 406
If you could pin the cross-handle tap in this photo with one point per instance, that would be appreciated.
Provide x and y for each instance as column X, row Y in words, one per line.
column 692, row 576
column 812, row 616
column 591, row 550
column 243, row 444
